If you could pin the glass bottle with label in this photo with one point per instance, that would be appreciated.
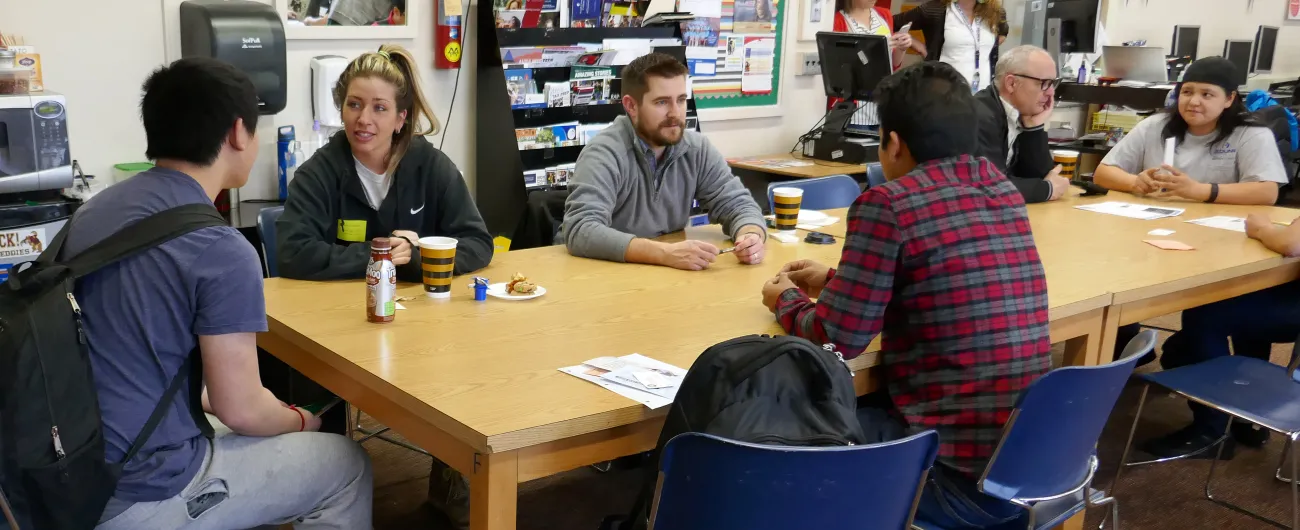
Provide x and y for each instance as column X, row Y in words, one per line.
column 381, row 282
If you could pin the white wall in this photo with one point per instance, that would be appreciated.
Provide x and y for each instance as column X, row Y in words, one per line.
column 1219, row 20
column 99, row 57
column 438, row 86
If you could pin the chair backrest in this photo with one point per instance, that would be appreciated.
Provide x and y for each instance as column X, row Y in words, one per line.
column 824, row 193
column 266, row 232
column 1048, row 445
column 875, row 175
column 707, row 482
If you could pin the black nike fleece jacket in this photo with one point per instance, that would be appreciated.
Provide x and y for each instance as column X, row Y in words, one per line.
column 327, row 225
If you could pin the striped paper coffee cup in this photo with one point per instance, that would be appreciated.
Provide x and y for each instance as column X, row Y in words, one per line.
column 437, row 259
column 786, row 202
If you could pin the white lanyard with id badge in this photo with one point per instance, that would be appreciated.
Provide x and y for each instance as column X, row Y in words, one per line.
column 974, row 27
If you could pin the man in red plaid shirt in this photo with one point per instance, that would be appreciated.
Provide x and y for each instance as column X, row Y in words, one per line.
column 942, row 262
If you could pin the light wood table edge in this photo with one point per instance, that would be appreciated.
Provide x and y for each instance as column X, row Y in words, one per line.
column 795, row 172
column 392, row 407
column 1180, row 288
column 1059, row 315
column 1079, row 319
column 558, row 456
column 1136, row 309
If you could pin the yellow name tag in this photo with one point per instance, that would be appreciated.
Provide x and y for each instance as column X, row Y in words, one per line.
column 352, row 231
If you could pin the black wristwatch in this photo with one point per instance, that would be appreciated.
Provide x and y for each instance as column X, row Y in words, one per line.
column 1214, row 192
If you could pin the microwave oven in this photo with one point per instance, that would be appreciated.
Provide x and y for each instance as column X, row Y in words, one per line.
column 34, row 143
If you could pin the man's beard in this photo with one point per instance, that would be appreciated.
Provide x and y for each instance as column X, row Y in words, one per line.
column 660, row 136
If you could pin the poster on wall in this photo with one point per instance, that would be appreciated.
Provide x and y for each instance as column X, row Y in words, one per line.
column 1293, row 10
column 753, row 16
column 757, row 78
column 734, row 63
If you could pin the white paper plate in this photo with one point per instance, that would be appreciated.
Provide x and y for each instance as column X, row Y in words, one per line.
column 498, row 290
column 812, row 216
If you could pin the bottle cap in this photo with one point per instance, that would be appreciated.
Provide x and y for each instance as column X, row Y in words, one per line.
column 380, row 243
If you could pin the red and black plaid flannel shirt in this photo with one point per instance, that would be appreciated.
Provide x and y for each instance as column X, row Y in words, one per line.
column 942, row 262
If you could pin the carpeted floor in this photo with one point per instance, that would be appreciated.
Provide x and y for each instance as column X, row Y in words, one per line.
column 1167, row 496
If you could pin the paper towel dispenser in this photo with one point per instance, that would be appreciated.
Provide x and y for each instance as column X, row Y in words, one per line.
column 244, row 33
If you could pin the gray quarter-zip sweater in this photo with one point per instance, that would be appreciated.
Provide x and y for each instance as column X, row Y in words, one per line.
column 615, row 197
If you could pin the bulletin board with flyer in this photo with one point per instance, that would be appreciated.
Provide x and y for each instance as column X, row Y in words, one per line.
column 733, row 49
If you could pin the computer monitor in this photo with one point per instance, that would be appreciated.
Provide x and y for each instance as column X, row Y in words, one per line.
column 1136, row 63
column 1072, row 26
column 852, row 64
column 1261, row 60
column 1187, row 39
column 1238, row 53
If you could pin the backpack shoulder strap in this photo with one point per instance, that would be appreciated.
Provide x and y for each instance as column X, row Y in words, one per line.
column 143, row 235
column 164, row 405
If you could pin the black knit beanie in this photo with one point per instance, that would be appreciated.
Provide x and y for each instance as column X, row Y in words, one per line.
column 1213, row 71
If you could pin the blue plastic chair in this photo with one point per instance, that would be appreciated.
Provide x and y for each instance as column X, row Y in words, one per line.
column 266, row 232
column 824, row 193
column 707, row 483
column 1244, row 388
column 1045, row 464
column 875, row 175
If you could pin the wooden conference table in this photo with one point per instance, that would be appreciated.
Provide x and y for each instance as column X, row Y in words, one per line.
column 815, row 168
column 476, row 383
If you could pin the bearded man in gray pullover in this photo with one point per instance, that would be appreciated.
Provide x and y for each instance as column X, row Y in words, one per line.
column 636, row 180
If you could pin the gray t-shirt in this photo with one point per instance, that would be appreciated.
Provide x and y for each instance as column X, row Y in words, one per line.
column 1249, row 154
column 359, row 12
column 142, row 316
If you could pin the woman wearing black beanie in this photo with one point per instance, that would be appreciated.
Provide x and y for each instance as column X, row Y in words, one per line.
column 1222, row 155
column 1228, row 159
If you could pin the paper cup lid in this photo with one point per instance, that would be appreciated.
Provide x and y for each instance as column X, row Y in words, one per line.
column 438, row 242
column 788, row 192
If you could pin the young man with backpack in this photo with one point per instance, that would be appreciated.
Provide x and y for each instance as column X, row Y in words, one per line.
column 941, row 261
column 145, row 314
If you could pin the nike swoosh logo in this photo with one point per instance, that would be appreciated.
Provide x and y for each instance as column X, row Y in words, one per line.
column 417, row 210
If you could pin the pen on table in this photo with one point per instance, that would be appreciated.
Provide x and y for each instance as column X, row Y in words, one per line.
column 727, row 251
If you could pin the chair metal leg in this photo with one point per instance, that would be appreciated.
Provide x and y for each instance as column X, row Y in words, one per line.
column 1282, row 463
column 367, row 435
column 1124, row 462
column 1295, row 488
column 1123, row 457
column 1109, row 499
column 1209, row 494
column 1215, row 462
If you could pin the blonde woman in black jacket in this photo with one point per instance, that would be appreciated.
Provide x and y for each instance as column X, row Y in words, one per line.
column 378, row 178
column 962, row 33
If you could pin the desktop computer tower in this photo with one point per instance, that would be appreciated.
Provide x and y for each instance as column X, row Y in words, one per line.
column 1034, row 28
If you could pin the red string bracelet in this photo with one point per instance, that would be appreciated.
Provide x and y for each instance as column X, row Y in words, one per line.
column 302, row 420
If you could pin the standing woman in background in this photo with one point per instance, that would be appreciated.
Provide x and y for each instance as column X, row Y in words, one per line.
column 962, row 33
column 863, row 17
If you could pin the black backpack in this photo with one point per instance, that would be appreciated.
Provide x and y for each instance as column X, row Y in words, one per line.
column 52, row 468
column 757, row 389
